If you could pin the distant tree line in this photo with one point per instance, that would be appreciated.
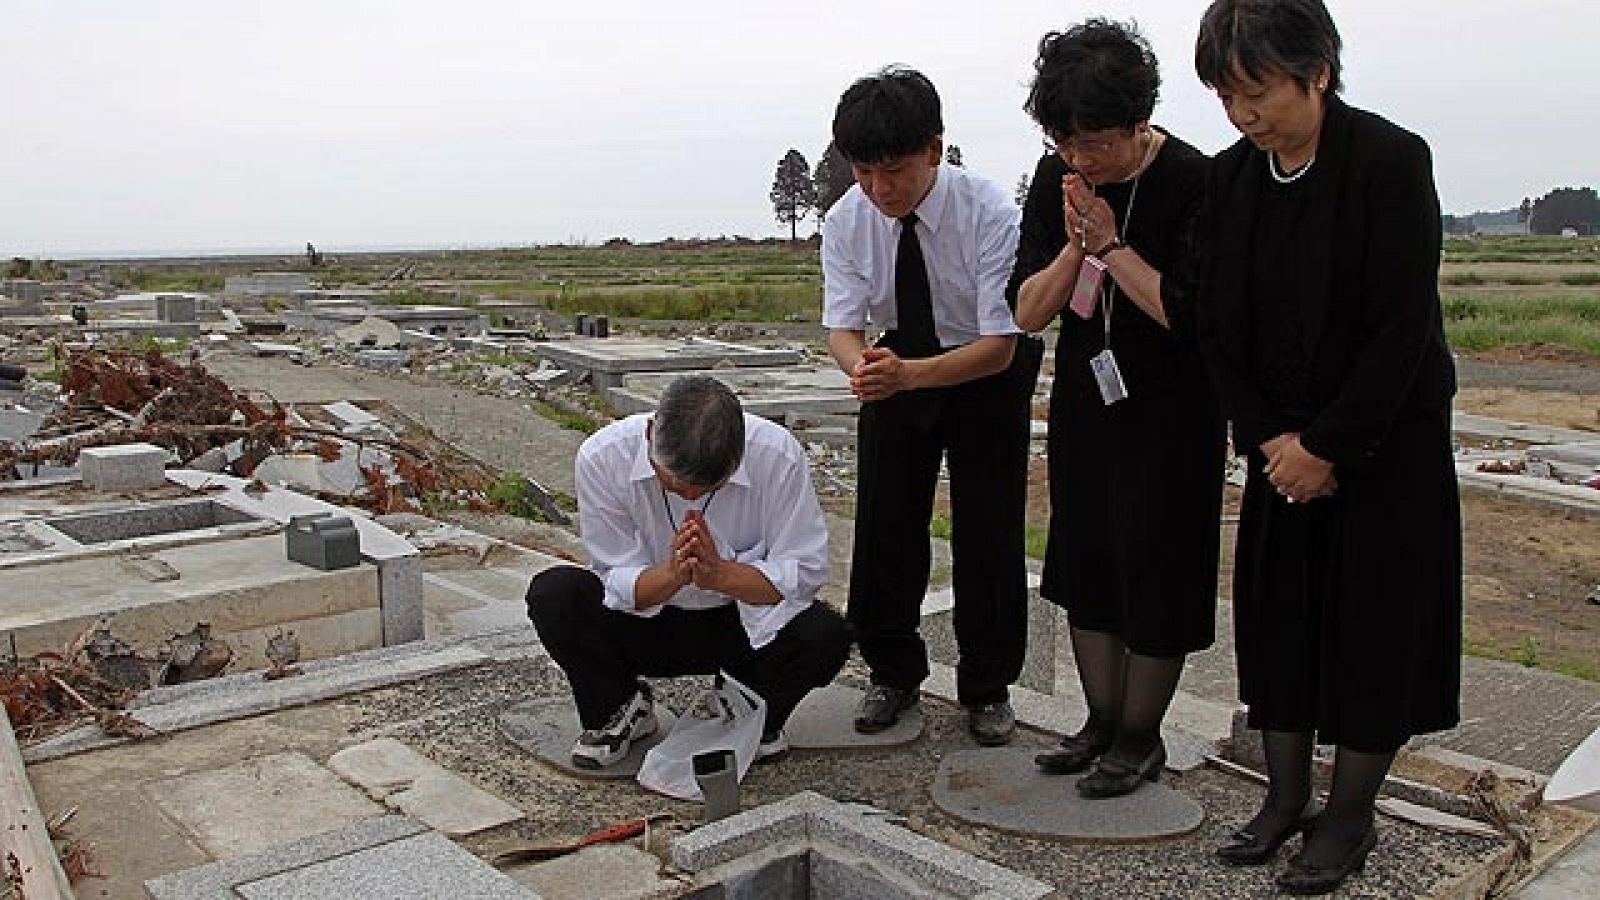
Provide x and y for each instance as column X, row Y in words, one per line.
column 799, row 191
column 1563, row 208
column 1554, row 213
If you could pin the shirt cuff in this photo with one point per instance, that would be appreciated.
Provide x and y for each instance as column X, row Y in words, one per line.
column 784, row 575
column 619, row 591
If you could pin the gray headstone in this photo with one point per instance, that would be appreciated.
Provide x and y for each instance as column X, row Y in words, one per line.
column 825, row 720
column 1003, row 789
column 547, row 728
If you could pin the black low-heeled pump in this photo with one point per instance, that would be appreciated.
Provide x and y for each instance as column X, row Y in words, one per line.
column 1305, row 879
column 1246, row 848
column 1076, row 753
column 1114, row 778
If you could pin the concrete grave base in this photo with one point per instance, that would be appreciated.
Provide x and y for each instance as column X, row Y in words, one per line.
column 1003, row 789
column 548, row 728
column 809, row 846
column 390, row 858
column 825, row 720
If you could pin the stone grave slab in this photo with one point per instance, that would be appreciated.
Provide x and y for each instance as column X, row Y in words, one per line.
column 423, row 867
column 608, row 359
column 548, row 727
column 627, row 873
column 215, row 881
column 1586, row 453
column 1001, row 788
column 260, row 803
column 805, row 391
column 411, row 783
column 825, row 720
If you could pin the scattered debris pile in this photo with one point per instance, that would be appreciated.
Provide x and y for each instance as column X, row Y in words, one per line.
column 54, row 692
column 338, row 452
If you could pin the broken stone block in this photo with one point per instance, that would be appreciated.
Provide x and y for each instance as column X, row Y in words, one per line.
column 123, row 467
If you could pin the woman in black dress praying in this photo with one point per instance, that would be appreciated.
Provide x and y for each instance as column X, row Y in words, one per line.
column 1136, row 440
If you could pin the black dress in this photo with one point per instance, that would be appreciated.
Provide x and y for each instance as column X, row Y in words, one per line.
column 1320, row 315
column 1136, row 486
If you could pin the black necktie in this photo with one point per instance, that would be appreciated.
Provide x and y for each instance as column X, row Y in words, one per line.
column 913, row 299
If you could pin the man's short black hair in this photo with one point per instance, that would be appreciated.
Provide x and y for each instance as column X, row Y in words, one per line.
column 1095, row 75
column 1261, row 38
column 891, row 113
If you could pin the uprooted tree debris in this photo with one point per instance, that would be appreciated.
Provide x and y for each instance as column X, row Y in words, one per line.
column 54, row 692
column 121, row 397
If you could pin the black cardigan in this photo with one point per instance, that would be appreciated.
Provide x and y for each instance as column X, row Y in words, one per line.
column 1370, row 244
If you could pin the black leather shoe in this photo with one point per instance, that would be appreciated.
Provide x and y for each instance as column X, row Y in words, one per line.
column 992, row 724
column 1077, row 753
column 881, row 708
column 1309, row 879
column 1114, row 778
column 1247, row 848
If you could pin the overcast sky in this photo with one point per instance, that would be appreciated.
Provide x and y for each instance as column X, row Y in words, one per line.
column 165, row 126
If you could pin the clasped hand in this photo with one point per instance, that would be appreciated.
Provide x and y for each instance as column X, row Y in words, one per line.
column 880, row 373
column 1298, row 475
column 1091, row 224
column 694, row 554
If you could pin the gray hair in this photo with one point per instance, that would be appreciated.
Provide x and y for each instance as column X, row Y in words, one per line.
column 699, row 431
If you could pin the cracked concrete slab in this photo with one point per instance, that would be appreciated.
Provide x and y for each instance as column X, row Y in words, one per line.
column 260, row 803
column 409, row 782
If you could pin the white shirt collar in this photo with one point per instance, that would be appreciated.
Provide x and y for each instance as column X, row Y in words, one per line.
column 931, row 210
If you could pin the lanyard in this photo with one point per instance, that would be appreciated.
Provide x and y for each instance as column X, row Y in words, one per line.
column 1108, row 304
column 667, row 508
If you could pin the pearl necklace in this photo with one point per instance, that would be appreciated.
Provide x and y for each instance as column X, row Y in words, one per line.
column 1296, row 175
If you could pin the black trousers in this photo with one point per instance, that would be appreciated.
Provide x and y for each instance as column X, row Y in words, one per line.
column 604, row 651
column 981, row 430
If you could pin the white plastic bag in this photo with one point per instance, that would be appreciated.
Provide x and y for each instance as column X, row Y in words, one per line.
column 728, row 716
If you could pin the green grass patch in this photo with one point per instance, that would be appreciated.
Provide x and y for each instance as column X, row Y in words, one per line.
column 572, row 421
column 1581, row 278
column 512, row 494
column 716, row 302
column 1528, row 652
column 1033, row 541
column 1480, row 322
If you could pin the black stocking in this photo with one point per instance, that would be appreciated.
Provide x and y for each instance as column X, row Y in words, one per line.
column 1347, row 818
column 1102, row 666
column 1146, row 693
column 1288, row 781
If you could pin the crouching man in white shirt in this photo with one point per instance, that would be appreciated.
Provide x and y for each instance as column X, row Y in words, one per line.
column 707, row 547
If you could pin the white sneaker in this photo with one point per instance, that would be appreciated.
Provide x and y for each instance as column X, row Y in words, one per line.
column 636, row 719
column 772, row 748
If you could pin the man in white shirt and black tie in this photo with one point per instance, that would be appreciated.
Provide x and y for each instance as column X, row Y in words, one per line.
column 922, row 251
column 707, row 547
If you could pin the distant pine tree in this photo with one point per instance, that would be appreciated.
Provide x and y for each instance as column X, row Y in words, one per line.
column 794, row 194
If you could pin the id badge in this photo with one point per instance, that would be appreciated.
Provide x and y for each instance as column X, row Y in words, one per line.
column 1108, row 377
column 1086, row 291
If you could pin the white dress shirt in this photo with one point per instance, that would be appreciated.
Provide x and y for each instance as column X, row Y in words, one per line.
column 968, row 227
column 766, row 516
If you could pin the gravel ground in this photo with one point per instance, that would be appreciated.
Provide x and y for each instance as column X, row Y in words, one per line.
column 452, row 719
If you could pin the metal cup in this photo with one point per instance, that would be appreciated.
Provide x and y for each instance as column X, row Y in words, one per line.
column 717, row 773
